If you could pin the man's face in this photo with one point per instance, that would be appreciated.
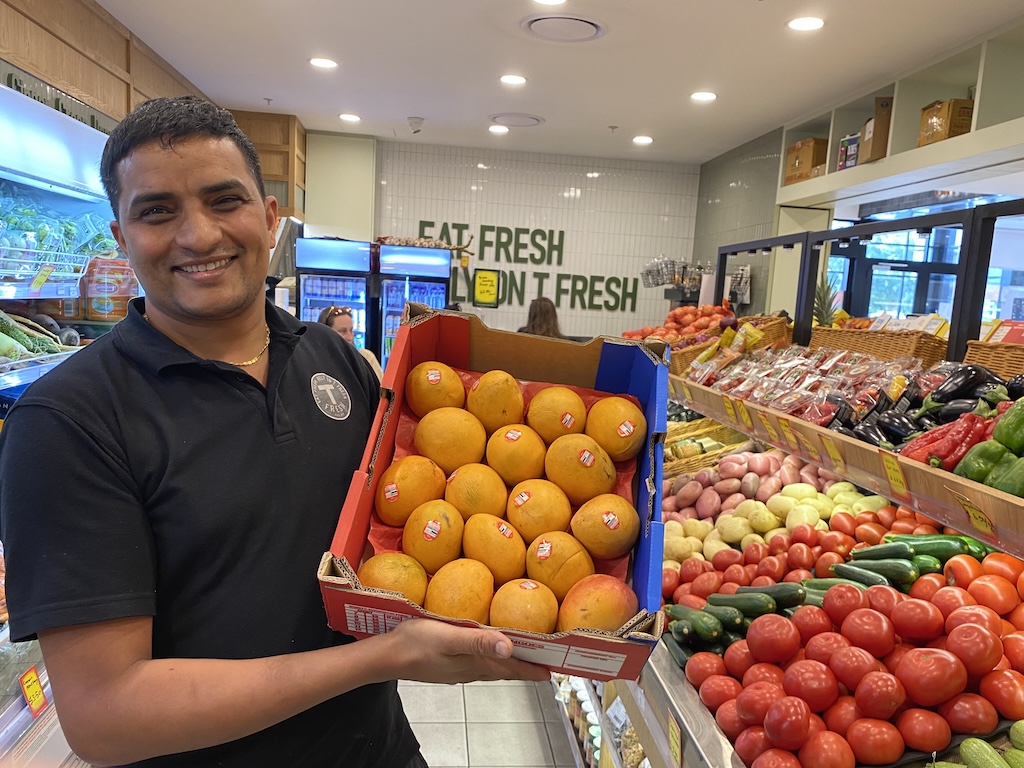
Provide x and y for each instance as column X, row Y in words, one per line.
column 194, row 227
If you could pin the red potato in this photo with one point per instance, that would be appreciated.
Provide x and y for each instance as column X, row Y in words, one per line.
column 732, row 501
column 768, row 488
column 789, row 474
column 774, row 464
column 825, row 474
column 759, row 464
column 669, row 504
column 709, row 504
column 688, row 494
column 727, row 487
column 794, row 461
column 707, row 477
column 810, row 476
column 749, row 484
column 732, row 470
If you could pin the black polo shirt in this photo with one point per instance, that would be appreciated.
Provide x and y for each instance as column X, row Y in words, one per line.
column 137, row 479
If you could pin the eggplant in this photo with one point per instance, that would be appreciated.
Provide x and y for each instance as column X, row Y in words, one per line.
column 954, row 409
column 841, row 429
column 926, row 423
column 959, row 384
column 991, row 392
column 1015, row 387
column 872, row 434
column 897, row 426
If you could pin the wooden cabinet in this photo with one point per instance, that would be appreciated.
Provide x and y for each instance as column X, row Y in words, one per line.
column 281, row 143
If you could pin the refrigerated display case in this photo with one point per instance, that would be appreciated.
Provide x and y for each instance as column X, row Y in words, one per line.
column 408, row 274
column 331, row 272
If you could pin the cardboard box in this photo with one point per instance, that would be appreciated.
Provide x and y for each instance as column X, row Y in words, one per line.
column 874, row 136
column 802, row 157
column 464, row 342
column 945, row 119
column 848, row 149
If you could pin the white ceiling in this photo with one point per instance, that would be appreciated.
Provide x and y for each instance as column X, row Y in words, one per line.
column 441, row 59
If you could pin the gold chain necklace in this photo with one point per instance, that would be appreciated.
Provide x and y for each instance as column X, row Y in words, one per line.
column 250, row 361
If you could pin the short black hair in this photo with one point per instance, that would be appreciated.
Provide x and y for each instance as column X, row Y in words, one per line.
column 168, row 120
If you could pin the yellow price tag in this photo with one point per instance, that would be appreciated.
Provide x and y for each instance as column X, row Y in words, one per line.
column 485, row 287
column 675, row 740
column 32, row 689
column 812, row 453
column 686, row 391
column 773, row 434
column 741, row 409
column 894, row 474
column 838, row 462
column 787, row 432
column 729, row 408
column 978, row 519
column 36, row 286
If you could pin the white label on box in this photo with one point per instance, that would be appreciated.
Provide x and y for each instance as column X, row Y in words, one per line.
column 538, row 651
column 570, row 658
column 616, row 714
column 371, row 621
column 590, row 660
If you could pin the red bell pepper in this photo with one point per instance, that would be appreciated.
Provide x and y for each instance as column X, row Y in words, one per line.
column 919, row 448
column 967, row 431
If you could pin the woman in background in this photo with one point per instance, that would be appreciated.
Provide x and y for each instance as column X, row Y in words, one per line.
column 542, row 319
column 339, row 320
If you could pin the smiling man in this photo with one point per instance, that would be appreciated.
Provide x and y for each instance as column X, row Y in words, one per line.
column 168, row 566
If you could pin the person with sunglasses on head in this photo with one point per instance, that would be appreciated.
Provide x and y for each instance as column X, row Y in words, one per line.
column 340, row 320
column 205, row 446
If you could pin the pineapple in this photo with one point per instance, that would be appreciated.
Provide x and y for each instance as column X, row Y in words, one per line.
column 825, row 296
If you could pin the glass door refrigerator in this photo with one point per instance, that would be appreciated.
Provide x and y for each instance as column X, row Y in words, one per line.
column 333, row 272
column 408, row 273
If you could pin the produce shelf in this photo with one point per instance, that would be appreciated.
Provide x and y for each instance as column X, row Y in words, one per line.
column 570, row 732
column 969, row 507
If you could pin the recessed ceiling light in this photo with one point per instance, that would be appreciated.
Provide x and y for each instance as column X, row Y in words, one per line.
column 549, row 2
column 806, row 24
column 482, row 167
column 513, row 79
column 323, row 63
column 703, row 96
column 498, row 128
column 592, row 174
column 643, row 140
column 349, row 118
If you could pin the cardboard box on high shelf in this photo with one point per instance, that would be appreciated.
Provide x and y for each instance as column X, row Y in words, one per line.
column 802, row 157
column 944, row 119
column 848, row 151
column 463, row 341
column 874, row 136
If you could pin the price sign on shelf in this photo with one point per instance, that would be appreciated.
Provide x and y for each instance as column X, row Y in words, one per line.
column 894, row 475
column 744, row 414
column 685, row 389
column 773, row 433
column 32, row 689
column 833, row 454
column 675, row 740
column 788, row 433
column 978, row 518
column 812, row 453
column 729, row 408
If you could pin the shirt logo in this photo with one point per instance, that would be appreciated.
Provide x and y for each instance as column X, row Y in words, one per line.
column 330, row 396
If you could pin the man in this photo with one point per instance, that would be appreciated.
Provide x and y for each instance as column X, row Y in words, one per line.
column 167, row 492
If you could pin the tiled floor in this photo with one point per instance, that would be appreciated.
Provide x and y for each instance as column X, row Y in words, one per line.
column 506, row 724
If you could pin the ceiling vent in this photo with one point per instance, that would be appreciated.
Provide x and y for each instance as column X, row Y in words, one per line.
column 516, row 119
column 562, row 28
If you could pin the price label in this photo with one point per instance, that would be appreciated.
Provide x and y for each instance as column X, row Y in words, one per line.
column 675, row 740
column 833, row 454
column 894, row 474
column 787, row 432
column 32, row 690
column 773, row 434
column 729, row 408
column 36, row 286
column 675, row 385
column 978, row 518
column 683, row 388
column 741, row 409
column 812, row 453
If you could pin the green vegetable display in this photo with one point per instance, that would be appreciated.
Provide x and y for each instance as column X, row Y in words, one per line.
column 979, row 462
column 1010, row 429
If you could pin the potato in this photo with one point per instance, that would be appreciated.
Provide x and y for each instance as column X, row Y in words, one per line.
column 688, row 494
column 733, row 469
column 869, row 504
column 800, row 515
column 696, row 545
column 762, row 521
column 732, row 501
column 847, row 497
column 732, row 528
column 821, row 525
column 674, row 530
column 781, row 505
column 711, row 547
column 679, row 481
column 800, row 491
column 773, row 533
column 709, row 504
column 727, row 487
column 670, row 565
column 759, row 464
column 749, row 484
column 769, row 487
column 669, row 504
column 751, row 538
column 707, row 478
column 698, row 528
column 789, row 475
column 747, row 506
column 696, row 556
column 677, row 548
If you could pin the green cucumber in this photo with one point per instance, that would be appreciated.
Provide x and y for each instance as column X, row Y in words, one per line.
column 716, row 647
column 1014, row 758
column 705, row 626
column 938, row 545
column 747, row 621
column 977, row 549
column 927, row 564
column 1017, row 734
column 680, row 653
column 980, row 754
column 731, row 618
column 824, row 585
column 785, row 594
column 728, row 638
column 889, row 550
column 896, row 571
column 855, row 573
column 751, row 604
column 681, row 630
column 816, row 597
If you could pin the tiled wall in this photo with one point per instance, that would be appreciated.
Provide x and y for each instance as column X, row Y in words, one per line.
column 736, row 204
column 615, row 216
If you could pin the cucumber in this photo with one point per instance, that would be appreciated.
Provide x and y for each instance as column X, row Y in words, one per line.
column 705, row 626
column 731, row 618
column 927, row 564
column 824, row 585
column 716, row 647
column 896, row 571
column 680, row 653
column 785, row 595
column 938, row 545
column 728, row 638
column 893, row 549
column 854, row 573
column 816, row 597
column 751, row 604
column 1014, row 758
column 1017, row 734
column 747, row 621
column 977, row 549
column 980, row 754
column 681, row 631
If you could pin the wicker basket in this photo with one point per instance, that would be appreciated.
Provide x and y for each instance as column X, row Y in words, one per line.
column 679, row 362
column 703, row 428
column 885, row 345
column 777, row 331
column 1006, row 360
column 678, row 467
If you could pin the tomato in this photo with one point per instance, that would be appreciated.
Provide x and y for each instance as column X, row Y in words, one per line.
column 728, row 721
column 979, row 649
column 798, row 656
column 827, row 750
column 841, row 715
column 898, row 653
column 925, row 520
column 751, row 744
column 798, row 575
column 883, row 599
column 669, row 581
column 823, row 565
column 869, row 533
column 762, row 672
column 994, row 591
column 800, row 556
column 931, row 675
column 813, row 682
column 773, row 638
column 869, row 630
column 970, row 713
column 1004, row 663
column 753, row 702
column 776, row 758
column 886, row 515
column 762, row 581
column 949, row 599
column 850, row 664
column 811, row 620
column 691, row 601
column 1001, row 564
column 875, row 742
column 961, row 570
column 925, row 530
column 975, row 614
column 1013, row 649
column 924, row 730
column 904, row 525
column 781, row 542
column 723, row 558
column 938, row 642
column 823, row 645
column 817, row 724
column 690, row 569
column 841, row 599
column 772, row 566
column 755, row 552
column 927, row 585
column 787, row 723
column 703, row 665
column 918, row 620
column 707, row 584
column 1005, row 689
column 718, row 689
column 1008, row 628
column 836, row 541
column 879, row 695
column 805, row 534
column 737, row 659
column 867, row 518
column 843, row 522
column 736, row 574
column 1020, row 585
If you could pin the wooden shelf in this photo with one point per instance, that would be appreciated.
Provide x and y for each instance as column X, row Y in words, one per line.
column 970, row 507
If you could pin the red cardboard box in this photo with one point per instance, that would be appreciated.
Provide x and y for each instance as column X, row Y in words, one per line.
column 462, row 341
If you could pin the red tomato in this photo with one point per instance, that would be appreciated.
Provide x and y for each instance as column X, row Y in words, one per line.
column 762, row 672
column 772, row 566
column 753, row 702
column 780, row 542
column 723, row 558
column 751, row 743
column 691, row 601
column 669, row 582
column 798, row 575
column 924, row 730
column 927, row 585
column 736, row 574
column 1013, row 649
column 718, row 689
column 931, row 675
column 690, row 569
column 755, row 552
column 827, row 750
column 869, row 630
column 762, row 581
column 843, row 523
column 823, row 645
column 850, row 664
column 898, row 653
column 1008, row 628
column 811, row 620
column 1020, row 585
column 728, row 721
column 737, row 659
column 813, row 682
column 975, row 614
column 904, row 525
column 800, row 556
column 1004, row 663
column 866, row 518
column 961, row 570
column 823, row 565
column 787, row 723
column 707, row 584
column 798, row 656
column 970, row 713
column 918, row 620
column 886, row 515
column 879, row 695
column 773, row 638
column 805, row 534
column 841, row 599
column 841, row 715
column 836, row 541
column 938, row 642
column 948, row 599
column 751, row 569
column 884, row 599
column 870, row 533
column 1005, row 689
column 978, row 648
column 875, row 742
column 994, row 591
column 703, row 665
column 817, row 724
column 728, row 588
column 776, row 758
column 1001, row 564
column 924, row 530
